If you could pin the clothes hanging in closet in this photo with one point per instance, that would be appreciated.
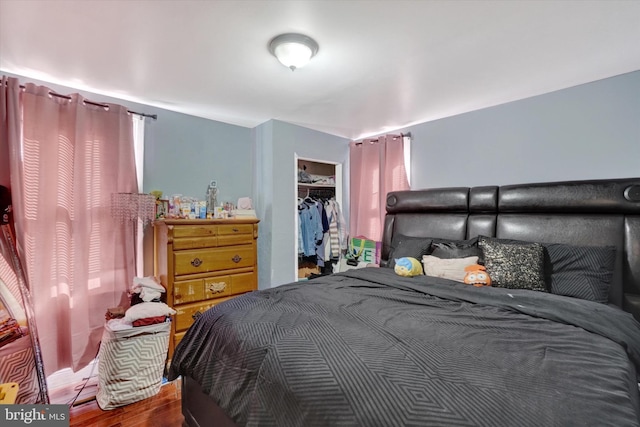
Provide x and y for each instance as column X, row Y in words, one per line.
column 337, row 230
column 310, row 230
column 321, row 229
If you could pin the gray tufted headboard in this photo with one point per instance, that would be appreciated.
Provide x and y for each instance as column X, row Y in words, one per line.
column 587, row 213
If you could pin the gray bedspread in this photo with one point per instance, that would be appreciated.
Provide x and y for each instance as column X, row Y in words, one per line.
column 370, row 348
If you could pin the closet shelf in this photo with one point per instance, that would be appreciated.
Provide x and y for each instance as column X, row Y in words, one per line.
column 308, row 185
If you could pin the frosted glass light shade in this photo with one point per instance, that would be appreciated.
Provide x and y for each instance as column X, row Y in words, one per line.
column 293, row 54
column 293, row 50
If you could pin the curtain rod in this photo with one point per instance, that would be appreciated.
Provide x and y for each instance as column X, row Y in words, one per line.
column 402, row 135
column 98, row 104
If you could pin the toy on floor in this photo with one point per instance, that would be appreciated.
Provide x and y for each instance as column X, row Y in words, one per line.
column 8, row 393
column 408, row 267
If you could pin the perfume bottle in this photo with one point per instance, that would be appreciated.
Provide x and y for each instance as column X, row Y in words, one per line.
column 212, row 197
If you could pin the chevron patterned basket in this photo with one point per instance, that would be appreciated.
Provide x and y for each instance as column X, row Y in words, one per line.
column 130, row 364
column 17, row 365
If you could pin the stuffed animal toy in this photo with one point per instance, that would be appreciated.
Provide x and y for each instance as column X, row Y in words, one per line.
column 408, row 267
column 477, row 275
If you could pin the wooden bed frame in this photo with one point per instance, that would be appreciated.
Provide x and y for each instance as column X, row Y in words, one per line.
column 587, row 213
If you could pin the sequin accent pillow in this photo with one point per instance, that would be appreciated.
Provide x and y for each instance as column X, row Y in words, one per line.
column 514, row 265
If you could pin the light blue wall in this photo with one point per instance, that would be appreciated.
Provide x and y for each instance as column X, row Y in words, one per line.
column 184, row 153
column 589, row 131
column 277, row 148
column 263, row 202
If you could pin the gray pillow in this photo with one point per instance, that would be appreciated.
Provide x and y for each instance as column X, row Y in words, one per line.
column 514, row 265
column 582, row 272
column 456, row 249
column 408, row 246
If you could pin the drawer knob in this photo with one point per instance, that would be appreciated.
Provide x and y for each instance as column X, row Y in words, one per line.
column 195, row 315
column 218, row 287
column 235, row 230
column 196, row 262
column 236, row 259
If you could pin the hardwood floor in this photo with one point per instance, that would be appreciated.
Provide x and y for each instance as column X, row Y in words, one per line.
column 161, row 410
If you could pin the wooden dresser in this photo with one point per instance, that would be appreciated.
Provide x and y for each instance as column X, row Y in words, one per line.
column 202, row 263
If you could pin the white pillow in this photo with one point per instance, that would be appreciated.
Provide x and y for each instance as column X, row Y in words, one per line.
column 452, row 269
column 147, row 309
column 147, row 282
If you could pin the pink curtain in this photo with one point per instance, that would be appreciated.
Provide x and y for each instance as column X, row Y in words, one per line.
column 78, row 259
column 10, row 118
column 376, row 168
column 9, row 123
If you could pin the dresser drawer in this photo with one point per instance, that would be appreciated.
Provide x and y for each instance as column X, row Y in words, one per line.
column 212, row 287
column 195, row 231
column 185, row 313
column 216, row 287
column 234, row 239
column 194, row 242
column 228, row 229
column 177, row 338
column 244, row 282
column 188, row 291
column 213, row 259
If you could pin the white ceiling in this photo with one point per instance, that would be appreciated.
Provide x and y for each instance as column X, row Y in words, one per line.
column 382, row 65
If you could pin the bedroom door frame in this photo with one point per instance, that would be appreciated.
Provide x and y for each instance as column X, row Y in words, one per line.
column 296, row 219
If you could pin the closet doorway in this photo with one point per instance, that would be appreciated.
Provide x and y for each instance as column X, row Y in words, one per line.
column 318, row 181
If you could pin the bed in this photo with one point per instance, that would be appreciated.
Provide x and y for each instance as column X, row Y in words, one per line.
column 369, row 347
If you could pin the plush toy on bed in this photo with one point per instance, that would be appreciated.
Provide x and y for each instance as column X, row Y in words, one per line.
column 407, row 266
column 477, row 275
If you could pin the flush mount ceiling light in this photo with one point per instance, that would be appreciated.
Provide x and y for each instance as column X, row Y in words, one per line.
column 293, row 50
